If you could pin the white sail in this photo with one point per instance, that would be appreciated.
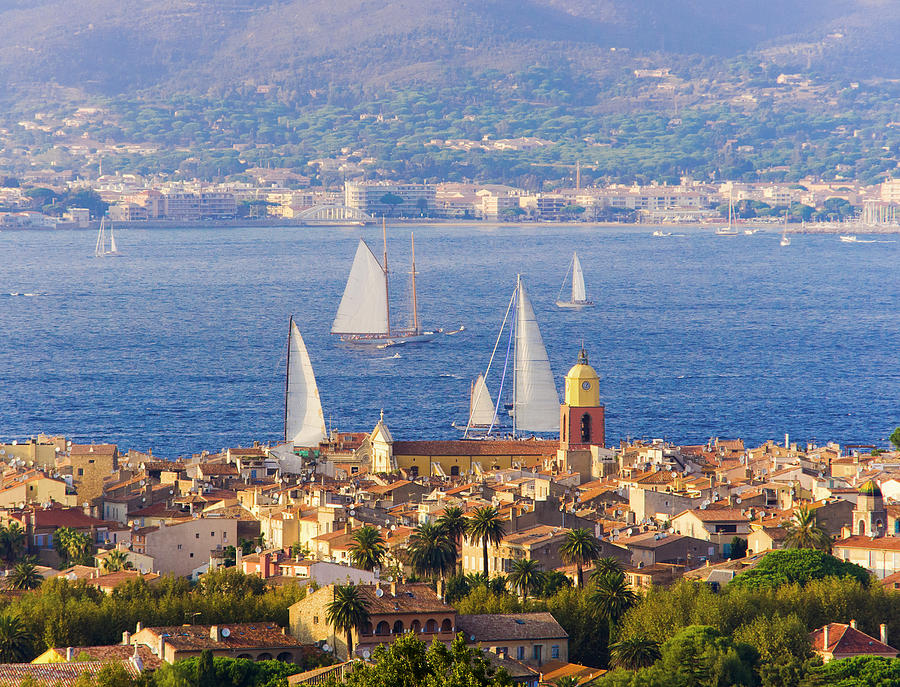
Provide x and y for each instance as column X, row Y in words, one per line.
column 98, row 249
column 364, row 307
column 481, row 408
column 536, row 405
column 112, row 241
column 304, row 421
column 578, row 293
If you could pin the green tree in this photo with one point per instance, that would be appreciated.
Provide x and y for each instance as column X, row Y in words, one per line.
column 347, row 612
column 368, row 548
column 116, row 560
column 454, row 523
column 633, row 653
column 800, row 566
column 486, row 526
column 12, row 542
column 526, row 576
column 738, row 548
column 25, row 575
column 804, row 532
column 430, row 551
column 858, row 671
column 579, row 546
column 606, row 566
column 895, row 438
column 15, row 638
column 612, row 597
column 783, row 645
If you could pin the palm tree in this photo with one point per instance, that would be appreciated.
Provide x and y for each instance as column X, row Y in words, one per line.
column 567, row 681
column 346, row 612
column 526, row 576
column 25, row 575
column 634, row 653
column 579, row 547
column 12, row 542
column 455, row 524
column 430, row 551
column 116, row 560
column 606, row 566
column 804, row 532
column 486, row 525
column 368, row 548
column 612, row 596
column 15, row 639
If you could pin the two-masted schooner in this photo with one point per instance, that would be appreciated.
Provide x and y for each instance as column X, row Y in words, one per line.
column 304, row 422
column 106, row 237
column 578, row 298
column 364, row 314
column 535, row 401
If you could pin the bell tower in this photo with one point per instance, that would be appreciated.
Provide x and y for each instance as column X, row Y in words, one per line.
column 582, row 420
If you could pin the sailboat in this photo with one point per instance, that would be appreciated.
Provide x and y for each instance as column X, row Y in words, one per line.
column 304, row 423
column 364, row 314
column 578, row 298
column 729, row 230
column 535, row 401
column 785, row 239
column 481, row 407
column 103, row 236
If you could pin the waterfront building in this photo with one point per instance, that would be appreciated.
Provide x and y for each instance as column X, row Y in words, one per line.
column 390, row 199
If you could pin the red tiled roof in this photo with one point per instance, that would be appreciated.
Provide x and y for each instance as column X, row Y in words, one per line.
column 62, row 674
column 411, row 598
column 103, row 449
column 114, row 652
column 844, row 640
column 862, row 542
column 537, row 447
column 241, row 636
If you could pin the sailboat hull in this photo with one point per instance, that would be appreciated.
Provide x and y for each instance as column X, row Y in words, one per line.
column 574, row 305
column 387, row 340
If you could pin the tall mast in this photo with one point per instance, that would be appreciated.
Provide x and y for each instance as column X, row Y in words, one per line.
column 387, row 295
column 515, row 332
column 287, row 375
column 415, row 305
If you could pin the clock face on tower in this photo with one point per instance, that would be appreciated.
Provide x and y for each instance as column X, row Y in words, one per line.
column 585, row 385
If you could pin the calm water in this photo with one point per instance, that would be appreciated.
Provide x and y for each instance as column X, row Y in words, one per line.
column 180, row 345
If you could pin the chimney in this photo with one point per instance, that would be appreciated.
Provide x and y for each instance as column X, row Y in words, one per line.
column 70, row 654
column 214, row 633
column 393, row 589
column 347, row 527
column 264, row 565
column 825, row 636
column 853, row 624
column 138, row 627
column 161, row 649
column 883, row 628
column 126, row 638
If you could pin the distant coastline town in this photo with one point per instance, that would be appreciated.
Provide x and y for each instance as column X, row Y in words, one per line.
column 47, row 200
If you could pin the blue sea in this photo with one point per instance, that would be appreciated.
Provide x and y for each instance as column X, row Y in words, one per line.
column 179, row 345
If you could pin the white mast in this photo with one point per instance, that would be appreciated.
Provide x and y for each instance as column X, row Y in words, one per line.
column 364, row 307
column 578, row 292
column 536, row 401
column 304, row 422
column 387, row 296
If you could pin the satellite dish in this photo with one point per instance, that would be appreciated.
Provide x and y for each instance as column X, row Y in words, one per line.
column 366, row 654
column 390, row 578
column 326, row 647
column 379, row 592
column 352, row 513
column 471, row 638
column 226, row 632
column 258, row 549
column 737, row 500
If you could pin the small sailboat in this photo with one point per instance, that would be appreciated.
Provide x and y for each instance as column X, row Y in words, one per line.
column 578, row 295
column 661, row 233
column 729, row 230
column 535, row 400
column 304, row 422
column 785, row 239
column 106, row 236
column 848, row 238
column 364, row 314
column 481, row 408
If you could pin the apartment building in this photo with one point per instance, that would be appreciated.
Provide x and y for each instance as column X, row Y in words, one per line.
column 391, row 200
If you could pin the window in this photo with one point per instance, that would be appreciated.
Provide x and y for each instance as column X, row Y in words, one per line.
column 197, row 535
column 212, row 534
column 192, row 554
column 315, row 620
column 520, row 653
column 80, row 472
column 536, row 652
column 454, row 470
column 554, row 651
column 585, row 429
column 179, row 547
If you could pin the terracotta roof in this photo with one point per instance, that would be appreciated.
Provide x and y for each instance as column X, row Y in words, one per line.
column 114, row 652
column 387, row 488
column 534, row 536
column 537, row 447
column 411, row 598
column 497, row 627
column 67, row 517
column 718, row 515
column 217, row 469
column 552, row 671
column 63, row 674
column 859, row 541
column 649, row 540
column 247, row 452
column 241, row 636
column 102, row 449
column 114, row 579
column 844, row 640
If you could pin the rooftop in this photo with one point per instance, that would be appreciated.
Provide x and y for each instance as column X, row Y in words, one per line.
column 494, row 627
